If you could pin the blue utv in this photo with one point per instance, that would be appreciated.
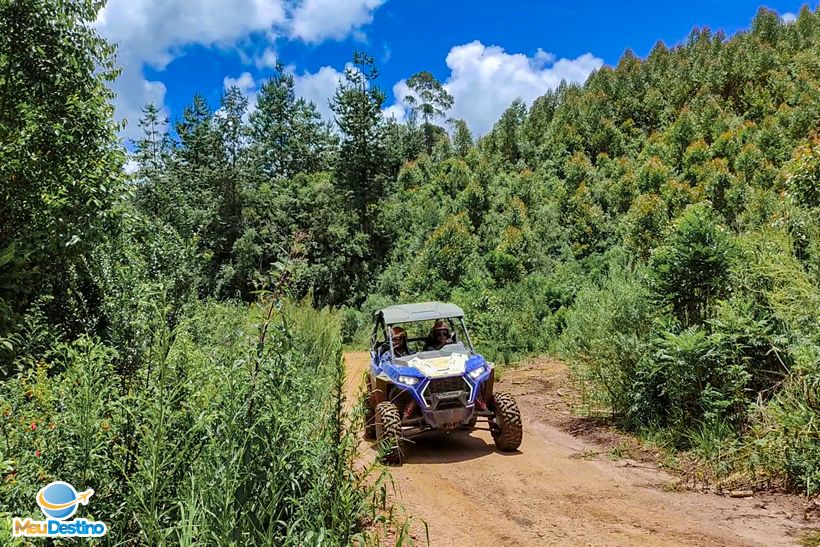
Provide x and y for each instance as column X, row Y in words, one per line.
column 424, row 384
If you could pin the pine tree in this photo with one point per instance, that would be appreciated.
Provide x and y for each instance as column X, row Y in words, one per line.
column 287, row 132
column 361, row 163
column 153, row 148
column 462, row 138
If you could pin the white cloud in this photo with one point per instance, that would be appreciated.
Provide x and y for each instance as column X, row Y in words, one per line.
column 244, row 82
column 316, row 20
column 152, row 31
column 131, row 166
column 155, row 33
column 398, row 111
column 485, row 80
column 395, row 111
column 318, row 87
column 789, row 17
column 267, row 59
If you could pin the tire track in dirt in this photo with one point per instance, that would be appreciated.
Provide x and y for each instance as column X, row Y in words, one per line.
column 550, row 492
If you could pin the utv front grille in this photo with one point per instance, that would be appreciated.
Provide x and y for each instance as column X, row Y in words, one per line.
column 443, row 385
column 443, row 393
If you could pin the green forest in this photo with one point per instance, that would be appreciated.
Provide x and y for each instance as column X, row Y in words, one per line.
column 173, row 336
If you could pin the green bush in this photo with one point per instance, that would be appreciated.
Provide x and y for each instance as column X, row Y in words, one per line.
column 784, row 442
column 217, row 438
column 606, row 339
column 353, row 323
column 689, row 378
column 802, row 174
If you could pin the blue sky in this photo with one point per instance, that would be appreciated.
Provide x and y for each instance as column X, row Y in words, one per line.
column 487, row 53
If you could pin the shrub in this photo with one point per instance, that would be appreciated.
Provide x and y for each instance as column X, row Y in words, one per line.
column 606, row 338
column 690, row 270
column 689, row 378
column 784, row 442
column 644, row 223
column 803, row 174
column 449, row 255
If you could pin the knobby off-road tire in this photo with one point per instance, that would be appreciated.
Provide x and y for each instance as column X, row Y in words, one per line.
column 508, row 431
column 388, row 431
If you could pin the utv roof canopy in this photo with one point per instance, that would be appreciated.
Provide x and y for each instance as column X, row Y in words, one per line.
column 424, row 311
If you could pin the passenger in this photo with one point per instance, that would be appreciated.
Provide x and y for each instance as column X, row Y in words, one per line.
column 439, row 336
column 399, row 338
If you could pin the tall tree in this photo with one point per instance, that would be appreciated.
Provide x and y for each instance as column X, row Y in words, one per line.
column 431, row 101
column 231, row 174
column 363, row 164
column 287, row 132
column 153, row 148
column 230, row 125
column 504, row 138
column 360, row 165
column 197, row 138
column 61, row 162
column 462, row 138
column 183, row 194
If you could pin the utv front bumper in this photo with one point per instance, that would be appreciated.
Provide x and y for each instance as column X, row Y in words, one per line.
column 449, row 418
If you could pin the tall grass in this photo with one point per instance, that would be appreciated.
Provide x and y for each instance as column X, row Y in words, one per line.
column 232, row 432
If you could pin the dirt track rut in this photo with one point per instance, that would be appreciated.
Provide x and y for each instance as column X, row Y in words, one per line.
column 559, row 489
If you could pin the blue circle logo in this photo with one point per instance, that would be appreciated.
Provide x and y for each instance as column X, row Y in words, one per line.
column 59, row 500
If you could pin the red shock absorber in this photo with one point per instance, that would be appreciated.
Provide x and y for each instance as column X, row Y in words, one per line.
column 480, row 404
column 410, row 409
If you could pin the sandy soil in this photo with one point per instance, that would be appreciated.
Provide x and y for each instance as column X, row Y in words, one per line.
column 562, row 488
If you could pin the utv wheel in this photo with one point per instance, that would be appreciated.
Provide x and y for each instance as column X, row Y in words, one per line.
column 388, row 431
column 507, row 432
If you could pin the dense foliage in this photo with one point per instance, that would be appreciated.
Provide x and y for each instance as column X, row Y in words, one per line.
column 195, row 421
column 218, row 439
column 59, row 156
column 658, row 226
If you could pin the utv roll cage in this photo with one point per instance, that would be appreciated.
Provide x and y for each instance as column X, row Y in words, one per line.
column 413, row 313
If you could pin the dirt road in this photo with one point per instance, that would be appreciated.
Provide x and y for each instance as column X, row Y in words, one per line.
column 562, row 489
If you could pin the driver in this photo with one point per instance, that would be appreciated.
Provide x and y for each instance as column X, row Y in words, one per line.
column 439, row 336
column 399, row 337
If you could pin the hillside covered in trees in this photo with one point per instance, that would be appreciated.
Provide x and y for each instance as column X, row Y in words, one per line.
column 657, row 227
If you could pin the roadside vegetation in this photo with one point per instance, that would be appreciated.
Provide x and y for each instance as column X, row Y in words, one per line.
column 195, row 420
column 657, row 227
column 217, row 437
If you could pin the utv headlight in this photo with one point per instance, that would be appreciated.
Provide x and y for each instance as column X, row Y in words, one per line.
column 408, row 380
column 476, row 372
